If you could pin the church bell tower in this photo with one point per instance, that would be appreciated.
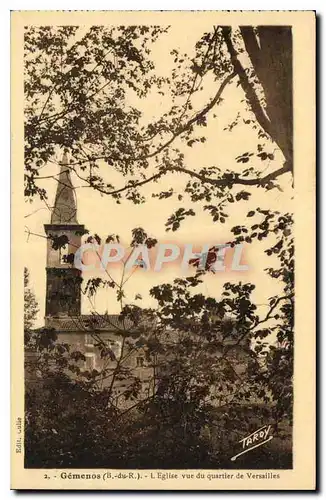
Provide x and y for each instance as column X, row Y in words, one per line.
column 63, row 280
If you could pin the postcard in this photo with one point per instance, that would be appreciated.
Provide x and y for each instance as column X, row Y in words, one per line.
column 163, row 250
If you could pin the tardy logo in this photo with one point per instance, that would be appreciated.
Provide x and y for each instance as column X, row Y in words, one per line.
column 257, row 438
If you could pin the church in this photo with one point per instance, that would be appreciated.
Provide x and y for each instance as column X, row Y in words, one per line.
column 99, row 337
column 111, row 346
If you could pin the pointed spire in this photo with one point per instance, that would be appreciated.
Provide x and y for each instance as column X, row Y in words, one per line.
column 65, row 206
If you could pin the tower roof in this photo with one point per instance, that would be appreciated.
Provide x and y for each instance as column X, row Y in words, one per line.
column 65, row 205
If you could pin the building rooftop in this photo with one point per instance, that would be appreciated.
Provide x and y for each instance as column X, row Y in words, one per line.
column 91, row 322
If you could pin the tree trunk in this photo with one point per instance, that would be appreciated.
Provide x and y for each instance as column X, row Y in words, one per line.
column 271, row 57
column 270, row 53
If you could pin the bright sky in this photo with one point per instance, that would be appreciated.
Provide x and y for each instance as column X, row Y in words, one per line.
column 103, row 216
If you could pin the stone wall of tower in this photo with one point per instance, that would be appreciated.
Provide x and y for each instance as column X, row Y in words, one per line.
column 54, row 255
column 63, row 292
column 63, row 281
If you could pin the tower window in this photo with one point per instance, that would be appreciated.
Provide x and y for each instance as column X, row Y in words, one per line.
column 63, row 254
column 89, row 341
column 116, row 347
column 90, row 361
column 140, row 361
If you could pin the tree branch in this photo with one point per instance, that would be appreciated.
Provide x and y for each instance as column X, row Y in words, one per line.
column 258, row 181
column 193, row 120
column 268, row 315
column 180, row 130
